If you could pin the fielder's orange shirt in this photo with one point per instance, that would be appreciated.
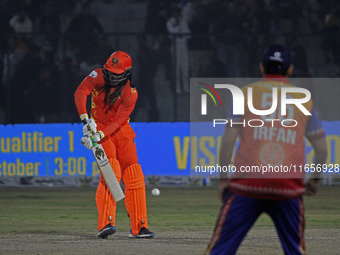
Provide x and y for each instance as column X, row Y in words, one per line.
column 108, row 120
column 273, row 145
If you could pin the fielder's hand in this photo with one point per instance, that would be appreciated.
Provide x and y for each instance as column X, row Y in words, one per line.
column 90, row 128
column 311, row 186
column 87, row 142
column 223, row 188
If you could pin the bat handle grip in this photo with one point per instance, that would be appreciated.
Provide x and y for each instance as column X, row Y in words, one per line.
column 93, row 142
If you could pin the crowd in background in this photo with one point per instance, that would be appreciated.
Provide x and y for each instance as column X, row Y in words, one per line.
column 48, row 47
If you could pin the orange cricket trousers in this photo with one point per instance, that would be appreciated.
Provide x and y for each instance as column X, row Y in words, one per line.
column 121, row 151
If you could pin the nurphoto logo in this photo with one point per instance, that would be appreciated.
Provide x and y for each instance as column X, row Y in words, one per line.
column 283, row 100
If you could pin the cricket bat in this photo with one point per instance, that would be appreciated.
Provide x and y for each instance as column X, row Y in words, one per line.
column 107, row 172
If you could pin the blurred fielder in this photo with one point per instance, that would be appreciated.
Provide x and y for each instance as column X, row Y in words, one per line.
column 246, row 196
column 113, row 100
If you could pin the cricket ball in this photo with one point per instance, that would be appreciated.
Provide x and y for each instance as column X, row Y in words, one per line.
column 155, row 192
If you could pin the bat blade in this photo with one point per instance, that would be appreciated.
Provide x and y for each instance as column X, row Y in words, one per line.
column 107, row 173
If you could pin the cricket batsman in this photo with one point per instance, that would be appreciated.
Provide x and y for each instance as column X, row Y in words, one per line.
column 113, row 99
column 245, row 195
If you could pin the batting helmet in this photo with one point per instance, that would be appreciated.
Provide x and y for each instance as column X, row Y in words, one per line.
column 119, row 62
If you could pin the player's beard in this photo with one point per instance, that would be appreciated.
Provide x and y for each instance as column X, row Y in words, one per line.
column 115, row 81
column 112, row 93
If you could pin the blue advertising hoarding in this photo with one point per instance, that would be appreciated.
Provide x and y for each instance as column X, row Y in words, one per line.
column 55, row 149
column 165, row 149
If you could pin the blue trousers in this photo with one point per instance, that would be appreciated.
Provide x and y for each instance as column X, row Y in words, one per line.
column 238, row 214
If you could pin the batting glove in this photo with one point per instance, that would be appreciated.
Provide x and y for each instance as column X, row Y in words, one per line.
column 98, row 136
column 90, row 128
column 87, row 142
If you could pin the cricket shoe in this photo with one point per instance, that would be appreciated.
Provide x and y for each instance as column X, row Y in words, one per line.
column 106, row 231
column 143, row 233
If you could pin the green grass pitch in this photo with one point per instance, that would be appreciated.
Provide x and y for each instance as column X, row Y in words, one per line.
column 64, row 221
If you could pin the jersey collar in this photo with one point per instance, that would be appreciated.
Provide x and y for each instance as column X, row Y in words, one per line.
column 275, row 77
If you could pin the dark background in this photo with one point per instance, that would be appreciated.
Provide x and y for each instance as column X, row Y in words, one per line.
column 59, row 42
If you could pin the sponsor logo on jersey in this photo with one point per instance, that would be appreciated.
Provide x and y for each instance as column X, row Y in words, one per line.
column 93, row 74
